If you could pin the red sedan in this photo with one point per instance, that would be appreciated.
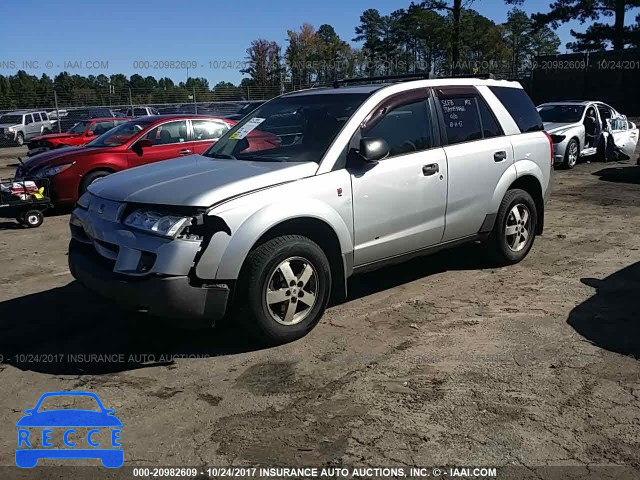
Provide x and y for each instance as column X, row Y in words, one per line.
column 131, row 144
column 80, row 134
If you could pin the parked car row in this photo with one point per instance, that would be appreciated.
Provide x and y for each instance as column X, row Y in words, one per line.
column 130, row 143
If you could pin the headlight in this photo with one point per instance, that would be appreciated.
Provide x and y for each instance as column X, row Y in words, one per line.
column 10, row 129
column 158, row 223
column 51, row 171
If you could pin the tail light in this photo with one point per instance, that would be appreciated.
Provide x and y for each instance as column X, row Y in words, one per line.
column 550, row 145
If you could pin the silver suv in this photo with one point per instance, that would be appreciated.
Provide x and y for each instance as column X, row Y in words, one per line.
column 21, row 126
column 314, row 187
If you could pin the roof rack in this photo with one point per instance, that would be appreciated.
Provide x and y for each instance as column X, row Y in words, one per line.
column 404, row 76
column 486, row 76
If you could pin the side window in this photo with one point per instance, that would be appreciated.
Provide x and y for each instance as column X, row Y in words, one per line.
column 490, row 127
column 37, row 117
column 101, row 127
column 406, row 128
column 208, row 130
column 140, row 112
column 168, row 133
column 28, row 120
column 44, row 116
column 520, row 107
column 461, row 118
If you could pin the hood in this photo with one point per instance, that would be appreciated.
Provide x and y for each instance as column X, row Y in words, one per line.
column 54, row 157
column 52, row 136
column 556, row 127
column 197, row 181
column 7, row 125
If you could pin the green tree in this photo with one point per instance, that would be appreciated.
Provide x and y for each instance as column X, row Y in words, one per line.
column 598, row 35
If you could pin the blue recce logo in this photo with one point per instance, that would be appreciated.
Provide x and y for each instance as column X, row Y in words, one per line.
column 33, row 447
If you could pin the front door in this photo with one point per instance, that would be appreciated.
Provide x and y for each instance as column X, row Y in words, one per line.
column 399, row 203
column 168, row 140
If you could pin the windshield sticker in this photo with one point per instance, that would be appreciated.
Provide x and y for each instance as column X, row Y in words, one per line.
column 246, row 128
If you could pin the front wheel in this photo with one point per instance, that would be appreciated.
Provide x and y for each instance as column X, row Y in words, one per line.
column 515, row 228
column 284, row 289
column 571, row 154
column 90, row 178
column 20, row 139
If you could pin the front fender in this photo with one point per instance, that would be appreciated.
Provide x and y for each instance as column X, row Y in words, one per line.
column 225, row 254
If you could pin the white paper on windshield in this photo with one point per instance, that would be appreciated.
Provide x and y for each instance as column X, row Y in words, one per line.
column 246, row 128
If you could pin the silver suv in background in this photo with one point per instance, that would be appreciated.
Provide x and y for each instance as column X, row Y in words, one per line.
column 314, row 187
column 21, row 126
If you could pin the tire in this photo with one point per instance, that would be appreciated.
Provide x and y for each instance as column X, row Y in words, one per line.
column 91, row 177
column 265, row 270
column 508, row 249
column 571, row 154
column 20, row 139
column 33, row 218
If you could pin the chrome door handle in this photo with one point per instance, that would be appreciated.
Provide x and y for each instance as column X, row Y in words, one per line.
column 430, row 169
column 499, row 156
column 184, row 152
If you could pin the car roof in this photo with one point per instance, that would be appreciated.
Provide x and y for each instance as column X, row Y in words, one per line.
column 425, row 83
column 569, row 102
column 177, row 116
column 23, row 112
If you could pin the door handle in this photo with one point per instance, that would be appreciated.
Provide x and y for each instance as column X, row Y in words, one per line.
column 186, row 151
column 430, row 169
column 499, row 156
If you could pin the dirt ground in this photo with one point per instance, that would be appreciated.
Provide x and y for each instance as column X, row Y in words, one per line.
column 440, row 361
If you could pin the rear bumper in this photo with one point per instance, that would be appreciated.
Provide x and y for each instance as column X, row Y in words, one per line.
column 164, row 296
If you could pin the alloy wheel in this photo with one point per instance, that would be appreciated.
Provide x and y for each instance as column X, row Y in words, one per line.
column 290, row 293
column 518, row 228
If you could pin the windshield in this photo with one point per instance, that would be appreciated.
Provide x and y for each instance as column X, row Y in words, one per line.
column 289, row 129
column 561, row 113
column 120, row 134
column 79, row 127
column 12, row 119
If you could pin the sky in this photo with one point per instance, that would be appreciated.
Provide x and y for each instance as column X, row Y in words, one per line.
column 130, row 37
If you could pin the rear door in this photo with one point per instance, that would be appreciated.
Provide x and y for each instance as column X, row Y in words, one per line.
column 478, row 154
column 32, row 126
column 206, row 132
column 399, row 203
column 168, row 140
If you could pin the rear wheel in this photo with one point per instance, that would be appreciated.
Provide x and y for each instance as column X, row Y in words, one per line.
column 33, row 218
column 515, row 228
column 571, row 154
column 90, row 178
column 284, row 289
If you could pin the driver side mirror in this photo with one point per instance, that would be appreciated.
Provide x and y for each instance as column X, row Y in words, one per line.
column 373, row 149
column 140, row 145
column 90, row 133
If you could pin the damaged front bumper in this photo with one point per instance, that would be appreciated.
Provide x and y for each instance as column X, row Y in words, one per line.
column 138, row 270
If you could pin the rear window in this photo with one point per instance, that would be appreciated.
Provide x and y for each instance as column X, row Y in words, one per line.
column 521, row 108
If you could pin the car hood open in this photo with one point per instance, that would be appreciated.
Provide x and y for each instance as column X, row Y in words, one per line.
column 197, row 181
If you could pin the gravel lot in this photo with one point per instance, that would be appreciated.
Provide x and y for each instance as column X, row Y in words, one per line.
column 440, row 361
